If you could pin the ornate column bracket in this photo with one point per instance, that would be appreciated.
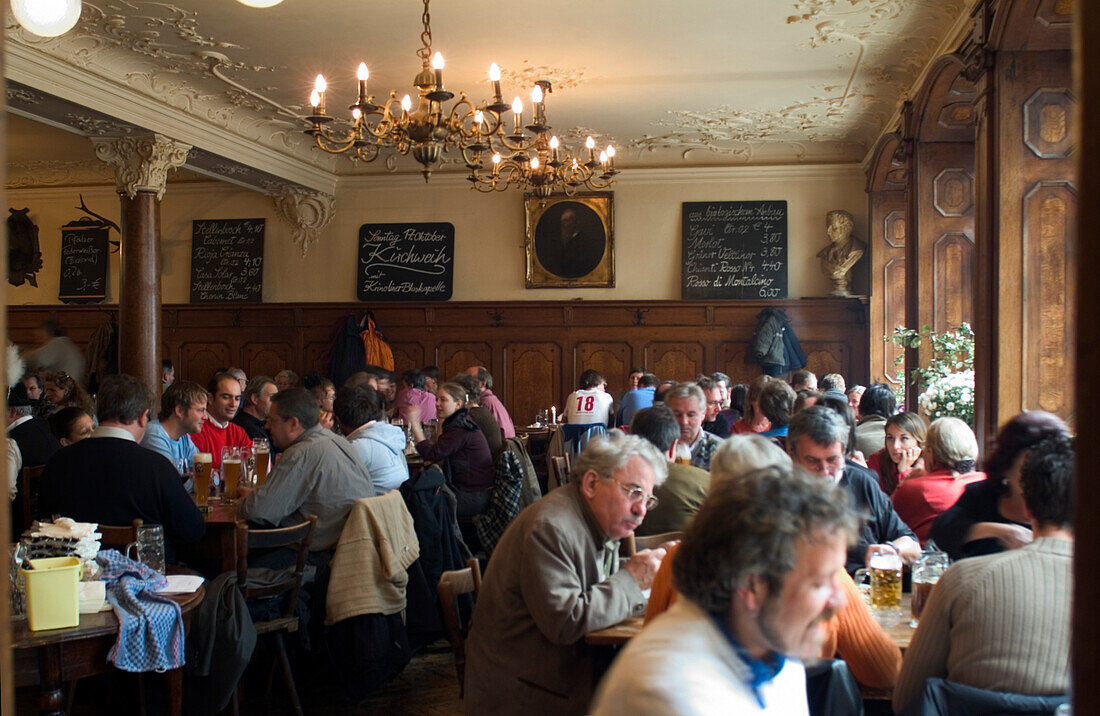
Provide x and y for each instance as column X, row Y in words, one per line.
column 141, row 162
column 307, row 212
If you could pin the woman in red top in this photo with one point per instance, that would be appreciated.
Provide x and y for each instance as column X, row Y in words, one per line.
column 905, row 433
column 753, row 421
column 950, row 453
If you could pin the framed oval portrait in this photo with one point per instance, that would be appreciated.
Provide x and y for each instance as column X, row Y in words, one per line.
column 570, row 241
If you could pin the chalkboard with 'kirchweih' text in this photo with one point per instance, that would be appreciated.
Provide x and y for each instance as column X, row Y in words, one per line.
column 406, row 262
column 734, row 249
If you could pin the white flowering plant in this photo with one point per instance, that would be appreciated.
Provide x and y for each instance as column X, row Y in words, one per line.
column 947, row 383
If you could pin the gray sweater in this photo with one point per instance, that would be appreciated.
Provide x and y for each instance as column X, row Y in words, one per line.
column 998, row 622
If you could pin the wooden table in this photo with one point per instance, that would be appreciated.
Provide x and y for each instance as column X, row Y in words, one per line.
column 220, row 540
column 52, row 657
column 625, row 630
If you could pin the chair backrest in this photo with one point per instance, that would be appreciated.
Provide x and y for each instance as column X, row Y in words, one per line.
column 558, row 474
column 452, row 584
column 296, row 537
column 119, row 535
column 28, row 494
column 631, row 544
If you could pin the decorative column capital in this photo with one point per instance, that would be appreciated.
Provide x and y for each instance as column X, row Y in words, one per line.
column 308, row 212
column 141, row 161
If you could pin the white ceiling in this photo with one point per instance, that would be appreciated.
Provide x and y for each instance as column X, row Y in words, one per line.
column 696, row 82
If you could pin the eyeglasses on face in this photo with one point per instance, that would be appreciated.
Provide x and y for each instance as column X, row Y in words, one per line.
column 637, row 494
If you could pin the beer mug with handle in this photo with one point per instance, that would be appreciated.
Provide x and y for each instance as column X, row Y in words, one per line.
column 149, row 547
column 926, row 572
column 883, row 572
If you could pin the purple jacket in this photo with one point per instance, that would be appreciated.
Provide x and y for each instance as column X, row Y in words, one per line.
column 465, row 448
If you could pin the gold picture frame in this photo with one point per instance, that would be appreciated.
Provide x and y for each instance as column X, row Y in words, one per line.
column 570, row 241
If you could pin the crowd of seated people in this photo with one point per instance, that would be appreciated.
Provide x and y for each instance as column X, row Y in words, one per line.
column 781, row 488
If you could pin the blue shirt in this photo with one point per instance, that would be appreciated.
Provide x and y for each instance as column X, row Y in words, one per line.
column 157, row 440
column 633, row 401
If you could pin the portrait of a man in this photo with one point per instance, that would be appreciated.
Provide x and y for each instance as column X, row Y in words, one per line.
column 569, row 240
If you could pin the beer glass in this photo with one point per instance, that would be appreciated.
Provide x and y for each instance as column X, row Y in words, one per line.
column 262, row 451
column 231, row 471
column 926, row 572
column 884, row 572
column 204, row 466
column 149, row 547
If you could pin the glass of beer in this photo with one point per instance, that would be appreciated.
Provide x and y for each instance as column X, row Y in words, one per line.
column 884, row 573
column 928, row 570
column 262, row 451
column 204, row 466
column 231, row 470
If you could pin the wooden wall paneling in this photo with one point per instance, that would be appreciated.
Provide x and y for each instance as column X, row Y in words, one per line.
column 731, row 361
column 455, row 358
column 266, row 358
column 680, row 361
column 407, row 355
column 532, row 380
column 888, row 226
column 827, row 357
column 611, row 359
column 952, row 275
column 200, row 360
column 314, row 355
column 893, row 311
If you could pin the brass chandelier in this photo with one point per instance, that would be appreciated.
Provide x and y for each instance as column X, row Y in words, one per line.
column 534, row 161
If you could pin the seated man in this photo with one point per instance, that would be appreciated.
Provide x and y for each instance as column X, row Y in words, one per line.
column 219, row 430
column 803, row 379
column 689, row 405
column 492, row 402
column 758, row 572
column 713, row 422
column 1002, row 621
column 591, row 403
column 876, row 406
column 816, row 441
column 555, row 577
column 34, row 442
column 182, row 411
column 637, row 398
column 680, row 496
column 414, row 393
column 109, row 479
column 380, row 446
column 318, row 474
column 255, row 404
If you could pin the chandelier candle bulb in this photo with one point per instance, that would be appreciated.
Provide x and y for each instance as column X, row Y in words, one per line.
column 554, row 148
column 437, row 65
column 610, row 157
column 496, row 164
column 590, row 143
column 517, row 111
column 362, row 74
column 406, row 105
column 494, row 77
column 319, row 86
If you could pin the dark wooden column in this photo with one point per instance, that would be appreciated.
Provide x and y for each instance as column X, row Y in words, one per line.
column 139, row 294
column 141, row 169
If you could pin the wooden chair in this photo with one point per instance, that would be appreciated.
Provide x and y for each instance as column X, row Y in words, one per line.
column 28, row 495
column 452, row 584
column 119, row 536
column 297, row 537
column 559, row 471
column 631, row 544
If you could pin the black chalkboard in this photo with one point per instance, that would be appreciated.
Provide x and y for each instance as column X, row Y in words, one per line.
column 227, row 260
column 83, row 263
column 734, row 249
column 406, row 262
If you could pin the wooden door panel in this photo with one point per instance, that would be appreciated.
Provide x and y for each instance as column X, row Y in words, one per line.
column 199, row 361
column 406, row 356
column 266, row 358
column 455, row 358
column 313, row 358
column 731, row 361
column 533, row 383
column 827, row 357
column 612, row 360
column 675, row 361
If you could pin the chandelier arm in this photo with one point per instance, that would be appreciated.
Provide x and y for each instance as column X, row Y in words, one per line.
column 331, row 144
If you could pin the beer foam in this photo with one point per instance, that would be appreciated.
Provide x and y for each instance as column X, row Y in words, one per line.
column 885, row 560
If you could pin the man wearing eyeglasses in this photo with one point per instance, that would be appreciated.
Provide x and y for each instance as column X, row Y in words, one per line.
column 556, row 576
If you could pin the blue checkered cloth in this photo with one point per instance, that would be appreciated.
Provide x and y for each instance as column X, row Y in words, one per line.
column 150, row 631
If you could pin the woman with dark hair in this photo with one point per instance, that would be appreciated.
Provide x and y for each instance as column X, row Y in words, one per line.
column 461, row 446
column 62, row 391
column 951, row 453
column 736, row 407
column 752, row 420
column 482, row 416
column 905, row 433
column 70, row 425
column 875, row 407
column 990, row 516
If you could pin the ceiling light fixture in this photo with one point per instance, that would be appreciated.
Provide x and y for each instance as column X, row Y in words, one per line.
column 47, row 18
column 425, row 128
column 260, row 3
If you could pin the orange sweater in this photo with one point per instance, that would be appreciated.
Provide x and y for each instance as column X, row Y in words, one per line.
column 852, row 634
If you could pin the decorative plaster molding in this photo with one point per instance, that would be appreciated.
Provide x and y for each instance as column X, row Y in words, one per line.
column 33, row 174
column 24, row 96
column 528, row 74
column 141, row 162
column 307, row 212
column 97, row 126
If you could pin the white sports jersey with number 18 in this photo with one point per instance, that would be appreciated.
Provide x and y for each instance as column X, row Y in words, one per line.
column 586, row 407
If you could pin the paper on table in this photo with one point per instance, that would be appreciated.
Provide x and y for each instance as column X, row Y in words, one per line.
column 181, row 584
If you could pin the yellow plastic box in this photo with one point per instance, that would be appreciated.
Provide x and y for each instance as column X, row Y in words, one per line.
column 53, row 593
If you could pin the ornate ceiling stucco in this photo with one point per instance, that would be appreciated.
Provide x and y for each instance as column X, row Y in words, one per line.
column 707, row 82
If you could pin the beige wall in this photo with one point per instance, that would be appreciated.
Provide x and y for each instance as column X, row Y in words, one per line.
column 489, row 230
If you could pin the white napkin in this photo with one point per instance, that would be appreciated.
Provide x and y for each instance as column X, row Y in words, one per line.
column 181, row 584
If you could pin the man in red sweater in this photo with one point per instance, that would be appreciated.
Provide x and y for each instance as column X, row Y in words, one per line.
column 219, row 429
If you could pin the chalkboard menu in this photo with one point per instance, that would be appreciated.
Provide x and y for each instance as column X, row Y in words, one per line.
column 227, row 260
column 83, row 263
column 734, row 249
column 406, row 262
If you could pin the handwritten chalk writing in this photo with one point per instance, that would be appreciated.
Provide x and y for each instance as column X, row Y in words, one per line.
column 83, row 264
column 227, row 260
column 406, row 262
column 734, row 249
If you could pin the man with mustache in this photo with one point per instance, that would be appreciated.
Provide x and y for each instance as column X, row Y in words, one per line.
column 555, row 576
column 759, row 572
